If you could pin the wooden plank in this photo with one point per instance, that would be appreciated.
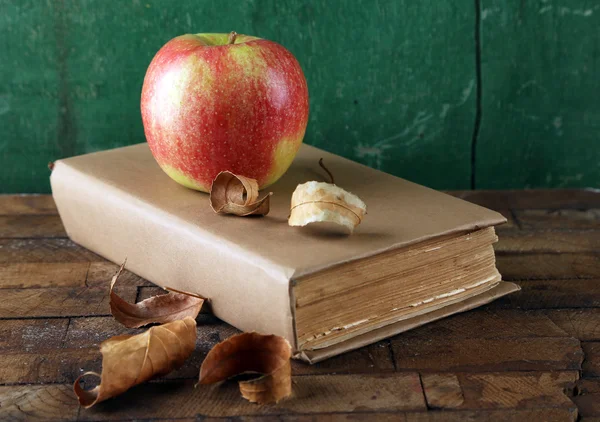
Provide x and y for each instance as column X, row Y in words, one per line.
column 27, row 205
column 38, row 403
column 90, row 332
column 58, row 302
column 516, row 390
column 504, row 415
column 45, row 274
column 31, row 226
column 588, row 386
column 101, row 273
column 478, row 355
column 591, row 364
column 373, row 358
column 533, row 199
column 548, row 294
column 49, row 366
column 583, row 324
column 442, row 391
column 487, row 324
column 588, row 399
column 311, row 394
column 31, row 335
column 515, row 242
column 559, row 219
column 548, row 266
column 65, row 274
column 14, row 251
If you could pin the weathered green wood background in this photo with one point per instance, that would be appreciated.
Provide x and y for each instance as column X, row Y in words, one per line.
column 451, row 94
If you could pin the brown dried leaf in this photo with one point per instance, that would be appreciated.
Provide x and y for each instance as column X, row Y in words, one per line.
column 319, row 202
column 159, row 309
column 237, row 195
column 268, row 355
column 131, row 360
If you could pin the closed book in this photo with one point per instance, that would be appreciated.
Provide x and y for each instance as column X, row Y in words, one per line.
column 419, row 255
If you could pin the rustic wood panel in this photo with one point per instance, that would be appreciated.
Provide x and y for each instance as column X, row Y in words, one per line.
column 49, row 366
column 548, row 294
column 29, row 275
column 516, row 390
column 26, row 226
column 583, row 324
column 488, row 324
column 55, row 302
column 27, row 335
column 38, row 403
column 546, row 242
column 554, row 255
column 478, row 355
column 559, row 219
column 311, row 394
column 588, row 399
column 591, row 364
column 548, row 266
column 27, row 205
column 44, row 250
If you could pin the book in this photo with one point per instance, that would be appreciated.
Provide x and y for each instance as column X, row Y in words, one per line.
column 419, row 255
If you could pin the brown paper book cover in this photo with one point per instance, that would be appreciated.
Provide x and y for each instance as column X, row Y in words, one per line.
column 325, row 293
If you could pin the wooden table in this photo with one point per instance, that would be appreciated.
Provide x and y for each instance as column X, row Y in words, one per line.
column 534, row 355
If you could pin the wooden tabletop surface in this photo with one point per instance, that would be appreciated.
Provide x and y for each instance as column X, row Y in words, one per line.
column 533, row 355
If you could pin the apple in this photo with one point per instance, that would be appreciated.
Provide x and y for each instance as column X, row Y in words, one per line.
column 216, row 102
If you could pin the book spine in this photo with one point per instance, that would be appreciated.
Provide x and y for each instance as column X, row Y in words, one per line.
column 172, row 253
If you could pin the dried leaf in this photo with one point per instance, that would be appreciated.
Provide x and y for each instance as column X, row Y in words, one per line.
column 157, row 309
column 319, row 202
column 237, row 195
column 131, row 360
column 268, row 355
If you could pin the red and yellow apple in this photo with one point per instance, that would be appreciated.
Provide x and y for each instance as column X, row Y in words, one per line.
column 216, row 102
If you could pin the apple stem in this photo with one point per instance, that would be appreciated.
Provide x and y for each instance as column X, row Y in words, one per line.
column 332, row 180
column 232, row 36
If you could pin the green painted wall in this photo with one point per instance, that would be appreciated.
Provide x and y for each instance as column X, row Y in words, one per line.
column 451, row 94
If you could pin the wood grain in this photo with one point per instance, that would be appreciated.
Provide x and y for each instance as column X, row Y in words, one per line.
column 44, row 250
column 548, row 266
column 515, row 359
column 26, row 335
column 58, row 302
column 548, row 294
column 559, row 219
column 488, row 323
column 504, row 390
column 27, row 205
column 28, row 226
column 311, row 394
column 548, row 242
column 583, row 324
column 49, row 366
column 588, row 399
column 591, row 364
column 479, row 355
column 38, row 403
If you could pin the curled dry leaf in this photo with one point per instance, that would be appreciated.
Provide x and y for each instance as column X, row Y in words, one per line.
column 237, row 195
column 268, row 355
column 131, row 360
column 159, row 309
column 319, row 202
